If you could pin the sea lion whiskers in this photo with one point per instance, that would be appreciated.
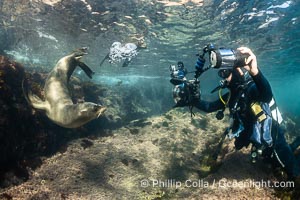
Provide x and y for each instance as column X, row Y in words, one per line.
column 101, row 110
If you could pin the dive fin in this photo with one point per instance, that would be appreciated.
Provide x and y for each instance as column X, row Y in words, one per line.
column 106, row 57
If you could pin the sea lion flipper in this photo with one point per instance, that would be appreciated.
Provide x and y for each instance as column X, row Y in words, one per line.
column 25, row 90
column 88, row 71
column 37, row 102
column 31, row 98
column 77, row 54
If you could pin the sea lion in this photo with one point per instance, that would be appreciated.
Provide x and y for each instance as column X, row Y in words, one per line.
column 58, row 104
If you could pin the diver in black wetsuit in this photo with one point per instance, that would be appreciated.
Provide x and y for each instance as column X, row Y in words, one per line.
column 247, row 85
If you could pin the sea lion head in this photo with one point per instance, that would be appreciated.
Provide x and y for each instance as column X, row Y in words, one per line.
column 89, row 109
column 86, row 112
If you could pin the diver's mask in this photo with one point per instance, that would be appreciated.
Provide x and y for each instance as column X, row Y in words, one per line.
column 238, row 80
column 180, row 65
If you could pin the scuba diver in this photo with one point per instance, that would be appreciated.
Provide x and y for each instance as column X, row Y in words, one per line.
column 119, row 52
column 254, row 116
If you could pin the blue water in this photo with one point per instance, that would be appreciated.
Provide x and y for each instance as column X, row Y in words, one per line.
column 172, row 33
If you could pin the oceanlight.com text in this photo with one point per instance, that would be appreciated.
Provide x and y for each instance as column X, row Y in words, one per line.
column 222, row 183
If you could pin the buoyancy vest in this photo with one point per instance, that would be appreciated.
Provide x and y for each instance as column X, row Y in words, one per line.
column 264, row 114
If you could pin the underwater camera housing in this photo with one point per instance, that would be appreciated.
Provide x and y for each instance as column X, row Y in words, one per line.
column 184, row 90
column 223, row 58
column 187, row 91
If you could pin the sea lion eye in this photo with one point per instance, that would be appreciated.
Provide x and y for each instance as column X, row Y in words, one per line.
column 96, row 107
